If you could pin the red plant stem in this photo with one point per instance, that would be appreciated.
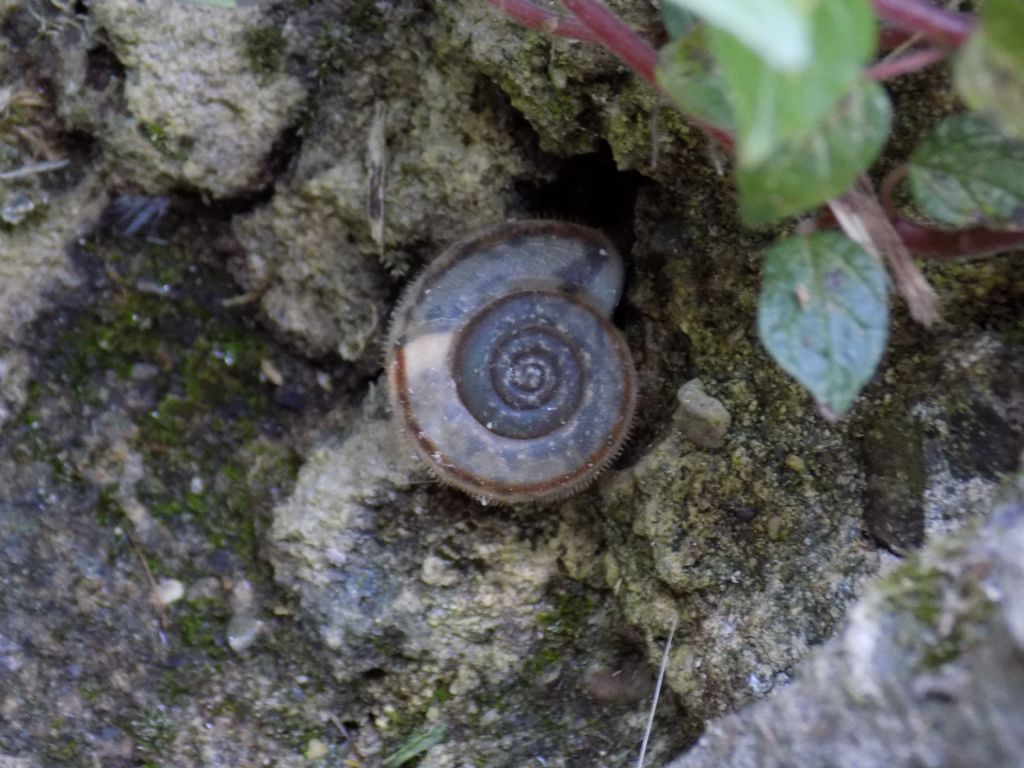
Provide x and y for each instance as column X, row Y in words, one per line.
column 722, row 136
column 635, row 52
column 891, row 37
column 596, row 23
column 951, row 244
column 534, row 17
column 941, row 244
column 940, row 26
column 902, row 65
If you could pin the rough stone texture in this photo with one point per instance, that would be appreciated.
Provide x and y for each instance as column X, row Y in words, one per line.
column 93, row 670
column 703, row 419
column 928, row 671
column 515, row 636
column 316, row 288
column 35, row 269
column 34, row 256
column 192, row 111
column 481, row 611
column 574, row 95
column 756, row 548
column 452, row 163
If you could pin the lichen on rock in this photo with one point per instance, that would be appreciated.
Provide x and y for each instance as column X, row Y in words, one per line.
column 928, row 670
column 438, row 627
column 190, row 111
column 310, row 254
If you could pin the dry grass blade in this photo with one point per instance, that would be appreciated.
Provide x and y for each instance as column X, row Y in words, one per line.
column 657, row 695
column 864, row 221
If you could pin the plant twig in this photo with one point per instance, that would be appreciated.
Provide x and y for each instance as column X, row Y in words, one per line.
column 864, row 220
column 903, row 65
column 635, row 52
column 33, row 169
column 376, row 161
column 165, row 623
column 657, row 695
column 535, row 17
column 938, row 25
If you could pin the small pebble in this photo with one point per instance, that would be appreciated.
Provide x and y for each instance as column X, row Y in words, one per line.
column 437, row 573
column 271, row 371
column 16, row 208
column 315, row 750
column 242, row 596
column 703, row 419
column 169, row 591
column 243, row 630
column 796, row 464
column 243, row 626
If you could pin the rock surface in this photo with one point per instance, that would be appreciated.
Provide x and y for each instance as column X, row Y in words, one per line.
column 451, row 165
column 198, row 106
column 928, row 671
column 481, row 613
column 168, row 433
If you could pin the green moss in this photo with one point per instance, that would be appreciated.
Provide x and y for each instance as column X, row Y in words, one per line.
column 264, row 49
column 201, row 625
column 568, row 615
column 442, row 695
column 65, row 749
column 211, row 405
column 946, row 612
column 562, row 624
column 541, row 660
column 176, row 685
column 365, row 18
column 154, row 366
column 157, row 135
column 90, row 691
column 289, row 725
column 153, row 733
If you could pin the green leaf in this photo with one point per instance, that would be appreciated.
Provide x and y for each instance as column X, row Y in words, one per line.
column 1002, row 22
column 989, row 71
column 966, row 172
column 823, row 314
column 779, row 31
column 687, row 73
column 677, row 20
column 805, row 172
column 773, row 106
column 418, row 743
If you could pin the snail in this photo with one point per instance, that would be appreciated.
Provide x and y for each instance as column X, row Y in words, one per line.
column 504, row 370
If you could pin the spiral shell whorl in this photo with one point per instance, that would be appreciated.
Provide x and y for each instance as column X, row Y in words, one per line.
column 503, row 367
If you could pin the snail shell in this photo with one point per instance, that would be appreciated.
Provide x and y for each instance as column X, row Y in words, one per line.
column 503, row 367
